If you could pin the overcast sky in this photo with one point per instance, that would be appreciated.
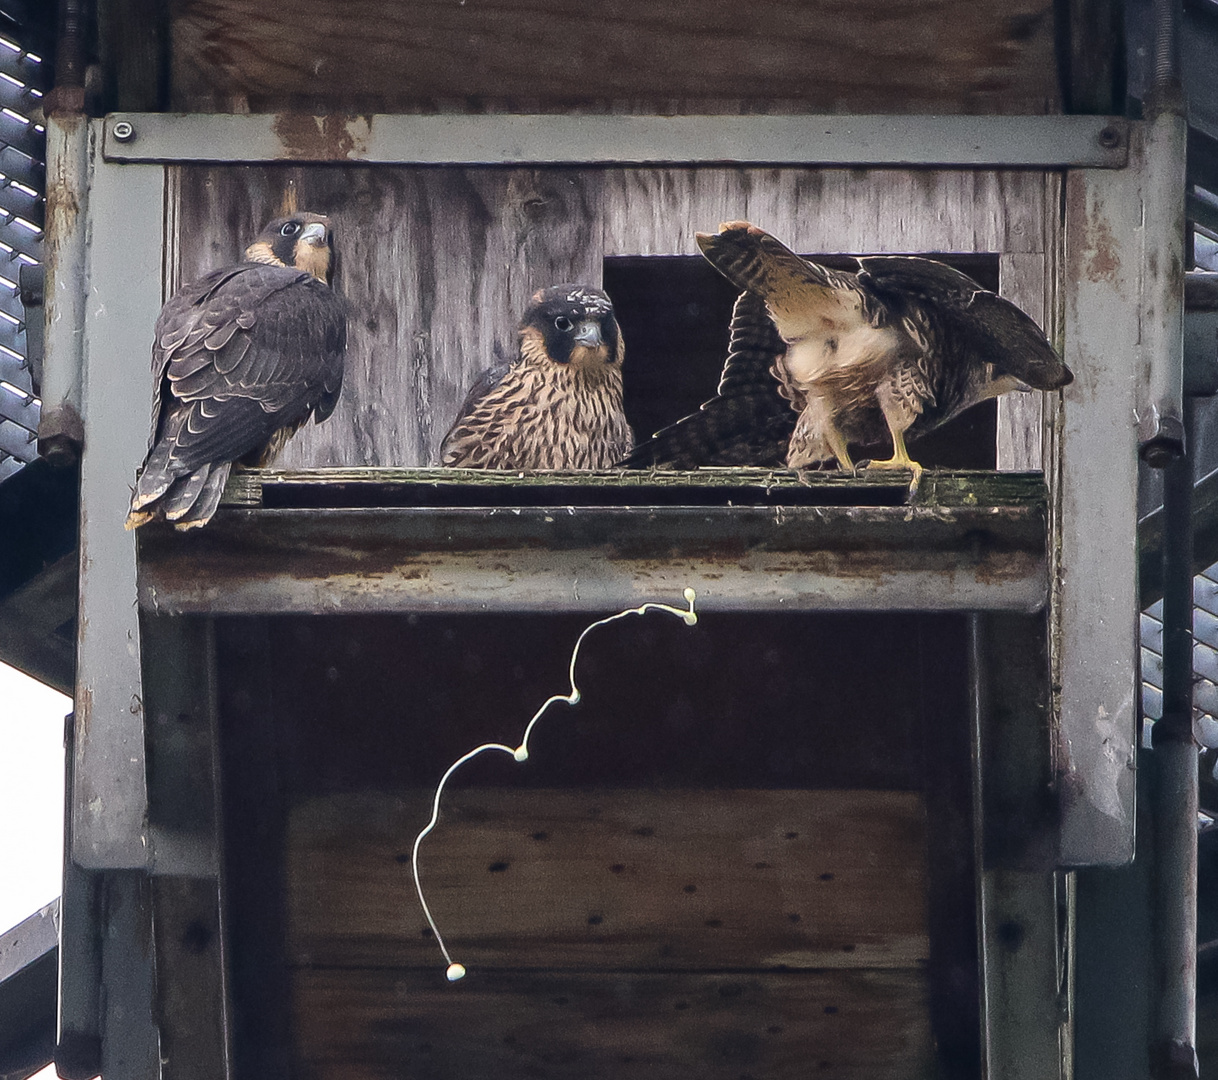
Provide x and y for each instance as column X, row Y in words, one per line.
column 31, row 794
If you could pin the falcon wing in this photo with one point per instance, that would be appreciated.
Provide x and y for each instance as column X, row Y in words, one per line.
column 483, row 385
column 980, row 326
column 804, row 299
column 748, row 423
column 239, row 358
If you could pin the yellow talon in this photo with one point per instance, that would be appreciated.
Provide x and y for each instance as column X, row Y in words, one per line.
column 901, row 460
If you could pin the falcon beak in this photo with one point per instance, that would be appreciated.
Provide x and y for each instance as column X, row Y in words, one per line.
column 588, row 334
column 314, row 233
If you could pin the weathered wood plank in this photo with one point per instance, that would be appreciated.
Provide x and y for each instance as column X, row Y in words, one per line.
column 513, row 55
column 828, row 211
column 381, row 1024
column 437, row 264
column 613, row 879
column 1020, row 416
column 730, row 486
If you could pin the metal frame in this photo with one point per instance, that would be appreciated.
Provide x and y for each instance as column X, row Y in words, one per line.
column 1025, row 142
column 1091, row 570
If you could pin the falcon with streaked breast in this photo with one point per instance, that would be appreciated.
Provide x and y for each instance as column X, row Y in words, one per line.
column 893, row 349
column 240, row 360
column 558, row 404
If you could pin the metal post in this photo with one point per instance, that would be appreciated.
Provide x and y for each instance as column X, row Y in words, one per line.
column 1174, row 1054
column 1161, row 424
column 60, row 428
column 1025, row 1015
column 124, row 268
column 1096, row 589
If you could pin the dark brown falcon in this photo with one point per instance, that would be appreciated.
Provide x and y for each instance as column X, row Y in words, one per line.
column 895, row 348
column 558, row 405
column 240, row 360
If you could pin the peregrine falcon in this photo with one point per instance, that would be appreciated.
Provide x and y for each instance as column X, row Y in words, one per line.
column 898, row 347
column 240, row 360
column 558, row 405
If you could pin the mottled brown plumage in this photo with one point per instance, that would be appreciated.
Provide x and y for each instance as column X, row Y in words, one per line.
column 240, row 360
column 558, row 405
column 894, row 349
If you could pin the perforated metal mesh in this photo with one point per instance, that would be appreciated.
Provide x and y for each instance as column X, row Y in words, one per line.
column 22, row 207
column 1205, row 657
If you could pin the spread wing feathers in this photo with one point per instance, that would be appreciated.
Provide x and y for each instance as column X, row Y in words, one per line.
column 239, row 356
column 800, row 295
column 749, row 422
column 978, row 325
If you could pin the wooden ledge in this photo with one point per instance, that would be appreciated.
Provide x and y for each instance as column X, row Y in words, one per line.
column 446, row 540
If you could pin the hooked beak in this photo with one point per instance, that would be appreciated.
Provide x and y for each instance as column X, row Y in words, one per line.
column 588, row 334
column 314, row 233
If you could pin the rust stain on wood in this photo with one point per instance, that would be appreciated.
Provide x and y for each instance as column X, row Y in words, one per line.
column 332, row 137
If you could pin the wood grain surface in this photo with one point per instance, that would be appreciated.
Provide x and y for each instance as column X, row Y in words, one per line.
column 613, row 879
column 667, row 55
column 437, row 265
column 377, row 1024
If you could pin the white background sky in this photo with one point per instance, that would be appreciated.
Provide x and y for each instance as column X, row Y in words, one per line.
column 31, row 794
column 31, row 799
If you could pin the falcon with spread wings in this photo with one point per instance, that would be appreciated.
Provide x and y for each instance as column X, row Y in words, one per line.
column 891, row 350
column 240, row 360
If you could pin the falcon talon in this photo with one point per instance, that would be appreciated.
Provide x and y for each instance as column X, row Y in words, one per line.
column 821, row 359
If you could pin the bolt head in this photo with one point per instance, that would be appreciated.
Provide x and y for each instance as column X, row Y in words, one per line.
column 1110, row 138
column 123, row 131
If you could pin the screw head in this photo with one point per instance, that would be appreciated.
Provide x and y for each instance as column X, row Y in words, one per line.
column 123, row 131
column 1110, row 138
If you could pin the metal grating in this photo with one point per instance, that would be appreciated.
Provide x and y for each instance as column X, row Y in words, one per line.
column 22, row 209
column 1205, row 658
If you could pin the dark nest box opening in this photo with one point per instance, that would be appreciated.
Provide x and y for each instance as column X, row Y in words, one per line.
column 750, row 840
column 674, row 311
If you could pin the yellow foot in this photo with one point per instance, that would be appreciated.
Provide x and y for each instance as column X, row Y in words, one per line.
column 901, row 463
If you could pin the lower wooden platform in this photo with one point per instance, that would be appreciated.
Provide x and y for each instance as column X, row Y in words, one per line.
column 612, row 933
column 377, row 1024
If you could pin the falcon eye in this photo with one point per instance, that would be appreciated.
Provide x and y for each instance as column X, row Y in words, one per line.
column 563, row 323
column 290, row 228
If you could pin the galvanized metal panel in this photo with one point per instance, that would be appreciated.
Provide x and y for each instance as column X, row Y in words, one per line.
column 124, row 297
column 972, row 141
column 1097, row 597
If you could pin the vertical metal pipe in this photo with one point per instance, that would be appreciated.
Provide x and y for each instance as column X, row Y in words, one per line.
column 1161, row 420
column 1174, row 1054
column 78, row 1037
column 60, row 429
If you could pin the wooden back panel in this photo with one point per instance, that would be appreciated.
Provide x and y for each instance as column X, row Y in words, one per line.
column 438, row 263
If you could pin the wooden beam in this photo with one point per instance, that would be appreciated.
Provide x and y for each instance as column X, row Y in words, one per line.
column 366, row 1024
column 613, row 879
column 513, row 55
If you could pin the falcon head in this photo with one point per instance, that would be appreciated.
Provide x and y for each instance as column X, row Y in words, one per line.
column 571, row 324
column 303, row 241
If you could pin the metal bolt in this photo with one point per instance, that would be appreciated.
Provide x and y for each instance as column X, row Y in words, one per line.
column 1110, row 138
column 124, row 132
